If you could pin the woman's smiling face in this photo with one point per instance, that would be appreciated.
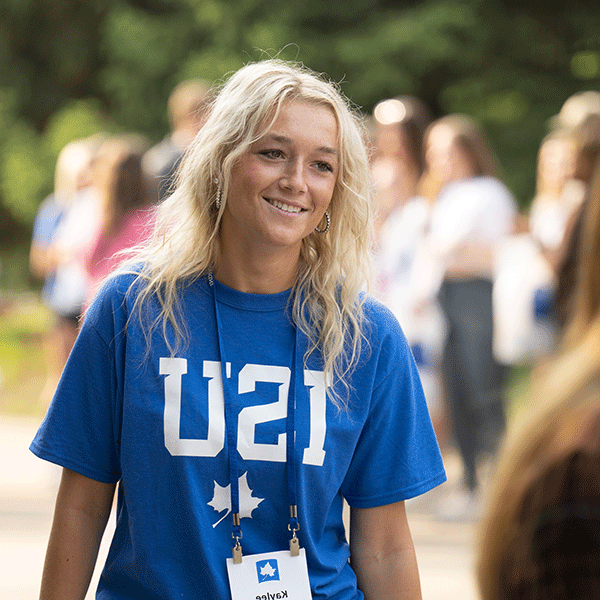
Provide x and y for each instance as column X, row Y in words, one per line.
column 282, row 185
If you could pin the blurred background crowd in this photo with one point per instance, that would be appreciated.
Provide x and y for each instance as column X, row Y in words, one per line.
column 101, row 207
column 484, row 124
column 478, row 284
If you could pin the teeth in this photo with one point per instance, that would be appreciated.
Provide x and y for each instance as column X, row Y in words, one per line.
column 285, row 207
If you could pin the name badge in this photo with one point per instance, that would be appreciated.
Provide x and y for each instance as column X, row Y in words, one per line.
column 269, row 576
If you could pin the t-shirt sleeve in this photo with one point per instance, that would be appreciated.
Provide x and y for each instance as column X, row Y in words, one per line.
column 45, row 223
column 397, row 456
column 82, row 426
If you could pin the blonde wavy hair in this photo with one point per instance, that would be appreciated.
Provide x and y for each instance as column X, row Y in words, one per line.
column 334, row 268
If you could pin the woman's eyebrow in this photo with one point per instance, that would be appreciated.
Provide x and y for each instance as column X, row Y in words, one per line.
column 284, row 139
column 328, row 150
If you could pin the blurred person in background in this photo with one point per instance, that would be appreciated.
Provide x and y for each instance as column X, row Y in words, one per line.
column 525, row 280
column 187, row 108
column 125, row 213
column 566, row 160
column 401, row 222
column 553, row 204
column 576, row 109
column 540, row 538
column 73, row 237
column 472, row 212
column 61, row 289
column 534, row 271
column 398, row 129
column 587, row 134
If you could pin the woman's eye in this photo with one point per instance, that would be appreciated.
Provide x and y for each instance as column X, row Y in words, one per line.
column 324, row 166
column 271, row 153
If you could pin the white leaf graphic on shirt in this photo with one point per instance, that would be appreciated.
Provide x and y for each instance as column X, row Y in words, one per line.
column 222, row 499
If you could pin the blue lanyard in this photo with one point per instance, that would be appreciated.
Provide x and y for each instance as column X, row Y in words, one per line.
column 293, row 524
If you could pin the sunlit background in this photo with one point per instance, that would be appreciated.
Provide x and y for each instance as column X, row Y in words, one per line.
column 72, row 68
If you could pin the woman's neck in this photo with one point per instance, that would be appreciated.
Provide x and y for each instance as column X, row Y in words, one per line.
column 254, row 274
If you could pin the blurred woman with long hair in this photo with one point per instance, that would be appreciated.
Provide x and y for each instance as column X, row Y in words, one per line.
column 472, row 211
column 540, row 539
column 126, row 210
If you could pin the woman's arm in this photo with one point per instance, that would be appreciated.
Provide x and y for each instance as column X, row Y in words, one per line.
column 382, row 553
column 43, row 259
column 82, row 510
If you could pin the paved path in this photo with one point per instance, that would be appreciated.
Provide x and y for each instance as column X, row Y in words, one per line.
column 28, row 487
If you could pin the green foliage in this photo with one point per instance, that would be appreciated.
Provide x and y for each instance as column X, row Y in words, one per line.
column 74, row 67
column 22, row 372
column 77, row 119
column 23, row 171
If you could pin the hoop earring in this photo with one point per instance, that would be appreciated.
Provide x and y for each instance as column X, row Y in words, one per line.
column 219, row 199
column 327, row 226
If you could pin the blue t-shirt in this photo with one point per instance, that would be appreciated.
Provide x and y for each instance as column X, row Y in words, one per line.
column 155, row 422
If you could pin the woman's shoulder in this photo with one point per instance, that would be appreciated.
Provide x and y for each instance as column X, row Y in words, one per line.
column 483, row 184
column 125, row 280
column 479, row 193
column 385, row 350
column 380, row 321
column 130, row 281
column 116, row 290
column 411, row 215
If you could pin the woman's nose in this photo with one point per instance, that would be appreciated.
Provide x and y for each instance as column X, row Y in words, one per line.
column 293, row 177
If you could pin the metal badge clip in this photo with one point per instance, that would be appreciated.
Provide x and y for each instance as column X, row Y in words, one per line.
column 237, row 549
column 294, row 526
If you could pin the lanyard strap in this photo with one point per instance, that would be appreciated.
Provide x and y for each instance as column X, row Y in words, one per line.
column 293, row 524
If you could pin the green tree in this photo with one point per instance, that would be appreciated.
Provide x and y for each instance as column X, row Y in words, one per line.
column 73, row 67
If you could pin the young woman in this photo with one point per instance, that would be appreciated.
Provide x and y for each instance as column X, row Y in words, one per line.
column 540, row 538
column 50, row 257
column 238, row 385
column 472, row 212
column 398, row 163
column 125, row 212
